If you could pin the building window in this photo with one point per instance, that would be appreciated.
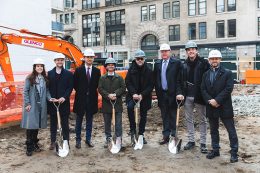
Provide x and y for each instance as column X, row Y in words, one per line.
column 69, row 3
column 61, row 18
column 67, row 18
column 220, row 29
column 259, row 27
column 91, row 30
column 115, row 37
column 192, row 31
column 220, row 6
column 72, row 18
column 87, row 4
column 144, row 13
column 166, row 10
column 115, row 17
column 232, row 28
column 176, row 9
column 113, row 2
column 152, row 12
column 149, row 41
column 202, row 30
column 174, row 33
column 192, row 7
column 202, row 7
column 231, row 5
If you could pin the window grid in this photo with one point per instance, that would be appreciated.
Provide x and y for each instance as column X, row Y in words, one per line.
column 166, row 10
column 232, row 28
column 202, row 7
column 192, row 31
column 220, row 6
column 174, row 33
column 192, row 7
column 176, row 9
column 220, row 29
column 144, row 13
column 202, row 30
column 152, row 12
column 231, row 5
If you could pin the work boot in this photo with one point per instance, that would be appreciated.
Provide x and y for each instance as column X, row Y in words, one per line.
column 132, row 140
column 203, row 149
column 189, row 145
column 78, row 144
column 89, row 144
column 29, row 147
column 233, row 158
column 52, row 146
column 212, row 154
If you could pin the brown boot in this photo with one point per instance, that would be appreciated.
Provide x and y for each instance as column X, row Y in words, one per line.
column 52, row 146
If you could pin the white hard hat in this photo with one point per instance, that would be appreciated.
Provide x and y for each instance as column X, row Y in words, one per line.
column 58, row 56
column 215, row 54
column 38, row 61
column 89, row 52
column 165, row 46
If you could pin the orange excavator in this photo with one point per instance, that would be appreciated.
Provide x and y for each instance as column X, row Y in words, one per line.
column 8, row 90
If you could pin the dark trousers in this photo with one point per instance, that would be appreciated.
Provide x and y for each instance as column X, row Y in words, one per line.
column 232, row 134
column 89, row 122
column 31, row 139
column 131, row 117
column 118, row 124
column 168, row 114
column 64, row 125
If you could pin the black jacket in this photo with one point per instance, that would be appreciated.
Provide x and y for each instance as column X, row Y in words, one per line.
column 61, row 87
column 82, row 86
column 140, row 82
column 220, row 90
column 173, row 76
column 201, row 67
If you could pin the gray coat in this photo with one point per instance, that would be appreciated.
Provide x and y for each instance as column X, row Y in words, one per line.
column 36, row 118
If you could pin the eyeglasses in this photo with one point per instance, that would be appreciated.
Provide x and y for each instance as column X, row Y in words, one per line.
column 139, row 58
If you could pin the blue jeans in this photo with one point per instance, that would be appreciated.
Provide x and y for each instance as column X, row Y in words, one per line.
column 118, row 124
column 131, row 116
column 89, row 122
column 232, row 134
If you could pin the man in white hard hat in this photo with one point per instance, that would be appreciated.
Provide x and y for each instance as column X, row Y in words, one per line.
column 168, row 89
column 60, row 86
column 217, row 86
column 86, row 79
column 111, row 86
column 193, row 69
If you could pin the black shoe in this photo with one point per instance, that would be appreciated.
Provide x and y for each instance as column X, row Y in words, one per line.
column 29, row 153
column 52, row 146
column 203, row 149
column 132, row 140
column 189, row 145
column 145, row 141
column 233, row 158
column 89, row 144
column 108, row 140
column 165, row 140
column 78, row 145
column 212, row 154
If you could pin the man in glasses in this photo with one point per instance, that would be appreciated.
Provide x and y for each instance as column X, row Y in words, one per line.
column 86, row 79
column 139, row 83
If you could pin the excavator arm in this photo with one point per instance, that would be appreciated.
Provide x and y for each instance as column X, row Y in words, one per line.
column 34, row 40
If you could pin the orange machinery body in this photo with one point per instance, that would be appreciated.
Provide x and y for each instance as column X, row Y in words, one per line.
column 252, row 76
column 11, row 103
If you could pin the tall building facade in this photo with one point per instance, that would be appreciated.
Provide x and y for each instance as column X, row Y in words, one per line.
column 116, row 28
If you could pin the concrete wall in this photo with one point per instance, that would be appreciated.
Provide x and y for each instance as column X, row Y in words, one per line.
column 34, row 15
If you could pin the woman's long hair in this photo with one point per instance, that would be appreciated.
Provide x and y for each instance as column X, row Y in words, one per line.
column 34, row 74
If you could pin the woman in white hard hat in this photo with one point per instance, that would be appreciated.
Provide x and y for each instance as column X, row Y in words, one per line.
column 35, row 105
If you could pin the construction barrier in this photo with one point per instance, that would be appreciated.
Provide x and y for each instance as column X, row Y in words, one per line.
column 252, row 76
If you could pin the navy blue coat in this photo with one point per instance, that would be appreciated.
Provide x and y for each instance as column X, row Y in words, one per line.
column 64, row 89
column 81, row 86
column 220, row 91
column 173, row 76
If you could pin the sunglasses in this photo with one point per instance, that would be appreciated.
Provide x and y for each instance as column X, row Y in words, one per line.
column 138, row 59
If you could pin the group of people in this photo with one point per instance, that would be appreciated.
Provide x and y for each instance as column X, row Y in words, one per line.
column 197, row 82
